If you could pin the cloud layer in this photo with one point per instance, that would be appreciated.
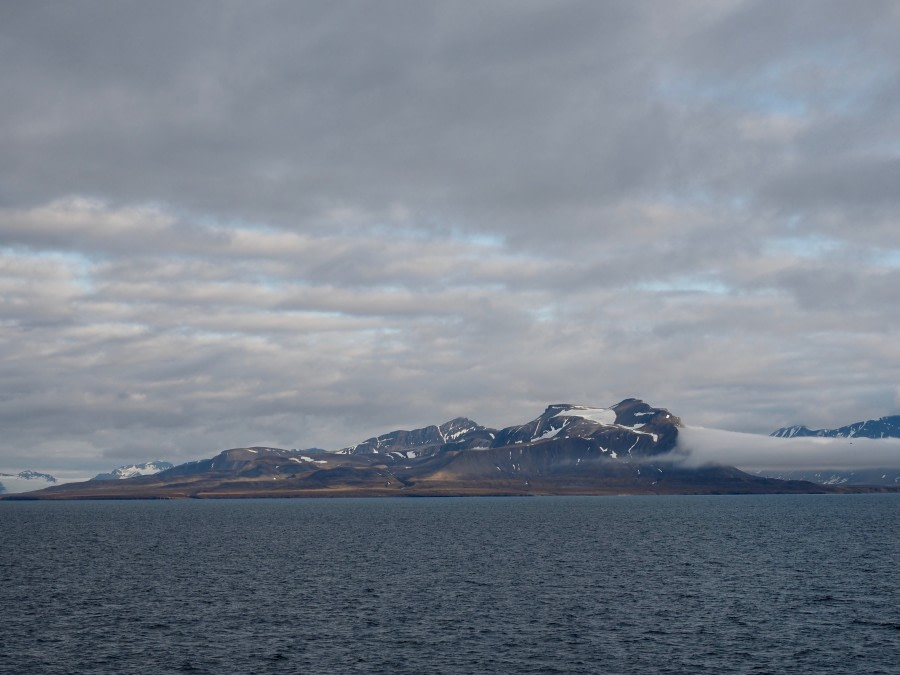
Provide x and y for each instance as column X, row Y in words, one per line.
column 699, row 446
column 306, row 224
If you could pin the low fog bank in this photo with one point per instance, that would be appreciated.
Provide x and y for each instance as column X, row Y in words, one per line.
column 698, row 446
column 12, row 483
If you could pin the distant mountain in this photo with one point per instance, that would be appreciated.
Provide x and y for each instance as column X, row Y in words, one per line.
column 25, row 481
column 567, row 449
column 616, row 429
column 145, row 469
column 888, row 476
column 884, row 427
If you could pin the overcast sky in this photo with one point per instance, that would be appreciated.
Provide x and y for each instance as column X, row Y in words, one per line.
column 304, row 224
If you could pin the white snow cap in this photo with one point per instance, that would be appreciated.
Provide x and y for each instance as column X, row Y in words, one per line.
column 599, row 415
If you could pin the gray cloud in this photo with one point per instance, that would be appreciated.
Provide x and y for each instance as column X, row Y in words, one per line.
column 306, row 224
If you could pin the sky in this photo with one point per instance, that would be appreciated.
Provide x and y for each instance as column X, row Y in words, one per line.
column 304, row 224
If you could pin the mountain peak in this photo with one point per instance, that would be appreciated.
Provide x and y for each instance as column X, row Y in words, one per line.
column 132, row 470
column 883, row 427
column 628, row 412
column 629, row 428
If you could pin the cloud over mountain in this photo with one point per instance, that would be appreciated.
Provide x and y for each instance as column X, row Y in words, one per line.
column 699, row 446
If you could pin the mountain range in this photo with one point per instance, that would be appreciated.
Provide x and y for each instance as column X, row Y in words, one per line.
column 883, row 427
column 568, row 449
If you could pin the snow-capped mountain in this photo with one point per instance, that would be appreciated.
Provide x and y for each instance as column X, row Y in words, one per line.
column 25, row 481
column 629, row 429
column 884, row 427
column 145, row 469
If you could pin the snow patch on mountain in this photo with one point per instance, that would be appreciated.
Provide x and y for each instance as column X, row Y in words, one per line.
column 550, row 433
column 605, row 416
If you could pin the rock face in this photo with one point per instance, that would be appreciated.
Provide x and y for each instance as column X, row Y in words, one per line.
column 567, row 449
column 884, row 427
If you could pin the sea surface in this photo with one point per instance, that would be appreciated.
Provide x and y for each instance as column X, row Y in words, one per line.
column 723, row 584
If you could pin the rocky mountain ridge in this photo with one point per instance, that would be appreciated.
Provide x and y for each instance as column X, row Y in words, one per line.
column 883, row 427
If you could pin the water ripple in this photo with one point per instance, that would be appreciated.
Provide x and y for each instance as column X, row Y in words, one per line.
column 567, row 585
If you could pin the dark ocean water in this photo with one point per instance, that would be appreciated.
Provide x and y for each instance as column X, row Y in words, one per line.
column 544, row 585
